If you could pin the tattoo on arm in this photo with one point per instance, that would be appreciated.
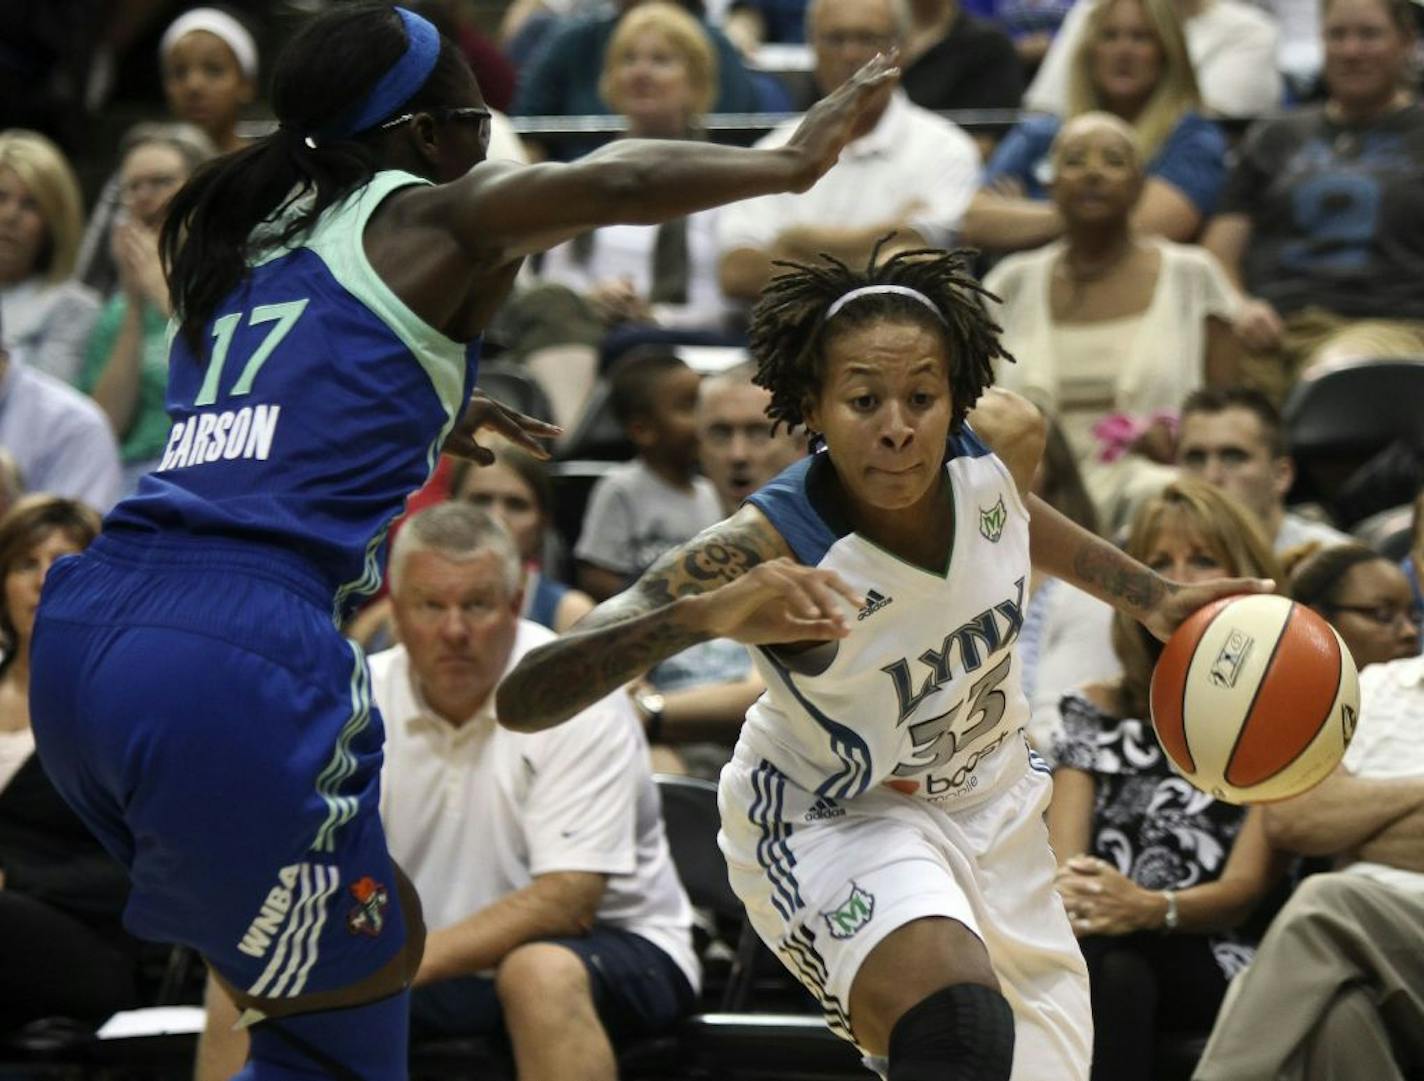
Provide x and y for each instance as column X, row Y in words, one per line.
column 629, row 633
column 1122, row 579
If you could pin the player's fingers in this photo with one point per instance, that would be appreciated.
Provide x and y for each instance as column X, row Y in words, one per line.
column 833, row 596
column 834, row 583
column 819, row 629
column 1227, row 587
column 804, row 597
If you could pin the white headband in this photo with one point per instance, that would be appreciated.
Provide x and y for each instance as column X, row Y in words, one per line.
column 873, row 290
column 220, row 24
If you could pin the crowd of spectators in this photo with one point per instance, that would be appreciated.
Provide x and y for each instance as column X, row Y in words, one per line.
column 1197, row 206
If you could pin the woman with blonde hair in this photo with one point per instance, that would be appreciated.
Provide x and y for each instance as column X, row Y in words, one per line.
column 1157, row 877
column 1112, row 329
column 1132, row 63
column 47, row 315
column 660, row 74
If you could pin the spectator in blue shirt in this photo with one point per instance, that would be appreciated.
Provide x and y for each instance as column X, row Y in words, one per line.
column 1133, row 64
column 59, row 439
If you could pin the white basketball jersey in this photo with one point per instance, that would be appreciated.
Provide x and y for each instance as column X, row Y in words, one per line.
column 924, row 695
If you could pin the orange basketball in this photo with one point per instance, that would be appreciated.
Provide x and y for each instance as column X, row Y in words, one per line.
column 1254, row 699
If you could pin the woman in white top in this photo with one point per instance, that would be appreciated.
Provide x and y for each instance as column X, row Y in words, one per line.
column 660, row 73
column 1109, row 324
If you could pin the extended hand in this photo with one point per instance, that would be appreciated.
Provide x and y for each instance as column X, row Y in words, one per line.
column 484, row 412
column 1101, row 900
column 778, row 602
column 1182, row 600
column 831, row 122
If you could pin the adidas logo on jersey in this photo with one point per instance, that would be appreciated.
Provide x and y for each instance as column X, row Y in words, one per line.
column 873, row 603
column 823, row 809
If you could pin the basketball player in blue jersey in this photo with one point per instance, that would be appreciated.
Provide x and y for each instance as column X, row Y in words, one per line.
column 191, row 695
column 882, row 817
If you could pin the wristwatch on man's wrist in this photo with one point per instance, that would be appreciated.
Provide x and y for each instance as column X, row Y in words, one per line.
column 652, row 705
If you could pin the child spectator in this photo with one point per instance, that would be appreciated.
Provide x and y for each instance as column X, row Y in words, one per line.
column 209, row 63
column 209, row 73
column 657, row 501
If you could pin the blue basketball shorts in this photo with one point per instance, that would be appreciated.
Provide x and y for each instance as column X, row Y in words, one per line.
column 195, row 704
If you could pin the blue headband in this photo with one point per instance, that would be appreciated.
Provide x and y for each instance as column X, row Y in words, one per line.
column 396, row 86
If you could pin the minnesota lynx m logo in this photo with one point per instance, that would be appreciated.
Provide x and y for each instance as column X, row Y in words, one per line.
column 991, row 521
column 852, row 914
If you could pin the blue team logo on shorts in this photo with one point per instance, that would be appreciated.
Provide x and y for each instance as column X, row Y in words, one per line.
column 852, row 914
column 368, row 914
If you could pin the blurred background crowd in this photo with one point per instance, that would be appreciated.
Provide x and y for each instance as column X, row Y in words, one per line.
column 1203, row 221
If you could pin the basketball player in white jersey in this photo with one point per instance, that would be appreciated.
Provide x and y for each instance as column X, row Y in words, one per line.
column 882, row 817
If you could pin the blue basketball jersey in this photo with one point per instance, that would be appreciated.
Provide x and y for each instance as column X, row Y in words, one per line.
column 318, row 402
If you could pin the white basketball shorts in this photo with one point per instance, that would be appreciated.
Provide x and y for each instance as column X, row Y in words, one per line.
column 825, row 880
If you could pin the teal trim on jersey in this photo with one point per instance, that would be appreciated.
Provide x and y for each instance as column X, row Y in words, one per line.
column 342, row 809
column 369, row 581
column 339, row 240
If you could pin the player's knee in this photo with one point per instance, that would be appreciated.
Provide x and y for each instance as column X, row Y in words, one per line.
column 543, row 979
column 963, row 1032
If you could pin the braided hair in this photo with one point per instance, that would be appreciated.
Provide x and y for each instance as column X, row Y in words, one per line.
column 789, row 330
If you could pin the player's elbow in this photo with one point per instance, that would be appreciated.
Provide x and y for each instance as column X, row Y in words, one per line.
column 1010, row 424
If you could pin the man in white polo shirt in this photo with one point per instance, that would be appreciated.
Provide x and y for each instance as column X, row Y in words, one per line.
column 1336, row 992
column 554, row 911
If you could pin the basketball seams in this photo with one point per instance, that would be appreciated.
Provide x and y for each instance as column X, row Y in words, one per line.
column 1250, row 710
column 1181, row 652
column 1302, row 745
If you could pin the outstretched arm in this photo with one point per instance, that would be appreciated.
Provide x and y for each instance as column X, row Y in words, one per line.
column 1066, row 550
column 734, row 579
column 1013, row 429
column 501, row 212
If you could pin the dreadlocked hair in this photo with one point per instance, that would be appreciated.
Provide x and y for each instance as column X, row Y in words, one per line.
column 789, row 330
